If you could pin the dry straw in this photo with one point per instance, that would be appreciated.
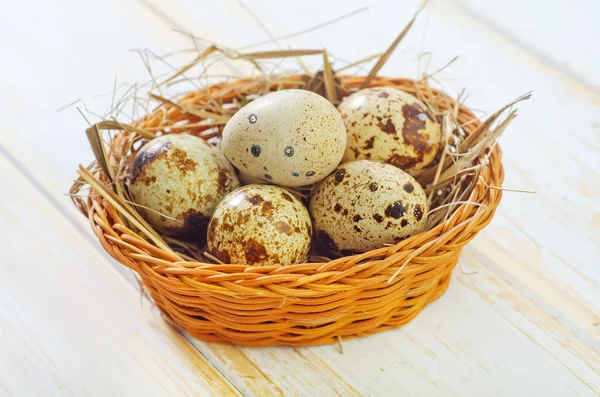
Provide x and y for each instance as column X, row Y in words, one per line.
column 322, row 301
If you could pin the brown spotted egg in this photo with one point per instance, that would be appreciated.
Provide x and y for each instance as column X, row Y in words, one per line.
column 365, row 204
column 181, row 177
column 260, row 225
column 289, row 138
column 387, row 124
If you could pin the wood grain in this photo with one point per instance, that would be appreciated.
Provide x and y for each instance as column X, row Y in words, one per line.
column 521, row 314
column 66, row 320
column 556, row 33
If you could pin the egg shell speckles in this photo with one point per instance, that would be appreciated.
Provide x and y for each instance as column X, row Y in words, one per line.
column 387, row 124
column 260, row 225
column 182, row 177
column 365, row 204
column 289, row 138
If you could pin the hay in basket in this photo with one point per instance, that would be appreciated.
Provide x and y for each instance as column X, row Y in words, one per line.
column 326, row 299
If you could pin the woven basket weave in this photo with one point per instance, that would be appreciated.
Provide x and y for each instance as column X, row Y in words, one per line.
column 311, row 303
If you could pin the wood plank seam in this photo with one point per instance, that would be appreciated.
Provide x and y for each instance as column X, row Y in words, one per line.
column 71, row 220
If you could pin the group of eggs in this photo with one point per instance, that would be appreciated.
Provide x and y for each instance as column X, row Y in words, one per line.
column 381, row 136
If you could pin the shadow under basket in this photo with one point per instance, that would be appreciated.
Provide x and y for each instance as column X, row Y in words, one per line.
column 305, row 304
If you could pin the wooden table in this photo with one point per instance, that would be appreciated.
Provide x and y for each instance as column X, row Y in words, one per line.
column 521, row 316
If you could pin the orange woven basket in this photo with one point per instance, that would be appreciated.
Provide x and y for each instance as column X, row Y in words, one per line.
column 305, row 304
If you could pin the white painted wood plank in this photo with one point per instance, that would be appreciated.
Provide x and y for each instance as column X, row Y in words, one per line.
column 69, row 324
column 561, row 33
column 534, row 311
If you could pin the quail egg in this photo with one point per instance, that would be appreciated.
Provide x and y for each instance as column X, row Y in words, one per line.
column 387, row 124
column 260, row 225
column 288, row 138
column 181, row 177
column 365, row 204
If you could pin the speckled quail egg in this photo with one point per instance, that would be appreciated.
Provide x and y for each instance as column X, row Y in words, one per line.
column 289, row 138
column 182, row 177
column 365, row 204
column 387, row 124
column 260, row 225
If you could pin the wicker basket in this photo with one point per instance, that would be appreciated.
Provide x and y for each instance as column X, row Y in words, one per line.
column 311, row 303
